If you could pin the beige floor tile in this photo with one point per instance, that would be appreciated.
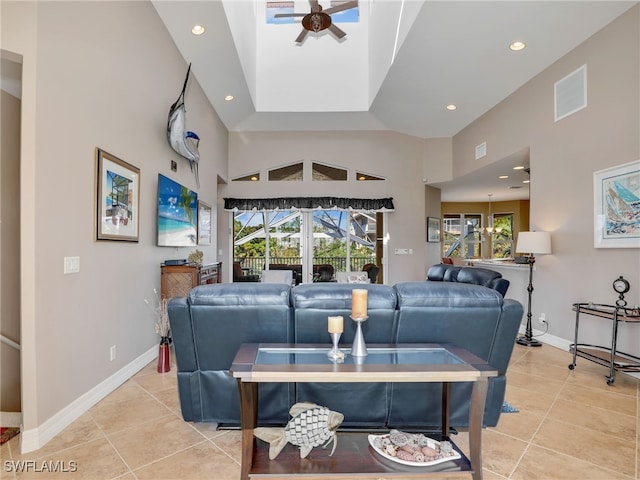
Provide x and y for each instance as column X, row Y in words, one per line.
column 521, row 425
column 596, row 419
column 208, row 429
column 533, row 383
column 129, row 390
column 157, row 381
column 231, row 443
column 527, row 401
column 93, row 460
column 544, row 370
column 623, row 384
column 170, row 399
column 500, row 453
column 162, row 436
column 610, row 452
column 83, row 430
column 612, row 401
column 542, row 464
column 113, row 417
column 202, row 461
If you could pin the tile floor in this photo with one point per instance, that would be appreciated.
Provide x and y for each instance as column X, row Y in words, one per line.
column 571, row 425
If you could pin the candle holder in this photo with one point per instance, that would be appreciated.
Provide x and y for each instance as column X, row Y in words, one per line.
column 359, row 348
column 335, row 353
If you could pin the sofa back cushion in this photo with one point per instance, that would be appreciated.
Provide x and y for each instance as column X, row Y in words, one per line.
column 448, row 312
column 225, row 315
column 314, row 302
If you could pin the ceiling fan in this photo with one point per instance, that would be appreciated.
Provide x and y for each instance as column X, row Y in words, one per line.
column 319, row 19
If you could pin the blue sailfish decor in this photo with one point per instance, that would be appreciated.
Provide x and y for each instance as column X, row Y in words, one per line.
column 183, row 142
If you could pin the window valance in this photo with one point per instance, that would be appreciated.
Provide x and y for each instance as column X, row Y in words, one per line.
column 309, row 203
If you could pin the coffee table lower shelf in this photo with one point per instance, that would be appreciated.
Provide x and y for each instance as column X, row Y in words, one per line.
column 353, row 458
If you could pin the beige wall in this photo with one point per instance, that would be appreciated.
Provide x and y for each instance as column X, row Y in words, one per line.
column 96, row 74
column 564, row 156
column 10, row 252
column 397, row 158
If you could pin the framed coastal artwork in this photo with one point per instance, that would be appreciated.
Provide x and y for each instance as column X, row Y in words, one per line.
column 433, row 229
column 177, row 214
column 204, row 223
column 117, row 198
column 617, row 206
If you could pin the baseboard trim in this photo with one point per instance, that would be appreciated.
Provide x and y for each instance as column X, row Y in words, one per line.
column 36, row 438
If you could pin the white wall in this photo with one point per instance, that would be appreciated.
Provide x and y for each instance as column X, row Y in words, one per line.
column 564, row 156
column 397, row 158
column 96, row 74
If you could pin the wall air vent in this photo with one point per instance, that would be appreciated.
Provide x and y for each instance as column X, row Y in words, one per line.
column 570, row 93
column 481, row 150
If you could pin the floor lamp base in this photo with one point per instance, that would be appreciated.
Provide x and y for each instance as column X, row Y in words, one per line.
column 528, row 342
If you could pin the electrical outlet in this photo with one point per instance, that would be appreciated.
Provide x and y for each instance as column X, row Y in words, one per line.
column 112, row 353
column 542, row 319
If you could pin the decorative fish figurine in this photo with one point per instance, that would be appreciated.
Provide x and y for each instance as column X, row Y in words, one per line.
column 311, row 426
column 183, row 142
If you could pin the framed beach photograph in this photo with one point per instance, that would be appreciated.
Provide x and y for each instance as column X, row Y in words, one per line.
column 433, row 229
column 204, row 223
column 177, row 214
column 617, row 206
column 117, row 198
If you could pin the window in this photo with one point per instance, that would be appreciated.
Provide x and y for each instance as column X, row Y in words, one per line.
column 502, row 237
column 462, row 235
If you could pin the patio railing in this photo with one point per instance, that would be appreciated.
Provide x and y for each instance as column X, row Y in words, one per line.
column 256, row 264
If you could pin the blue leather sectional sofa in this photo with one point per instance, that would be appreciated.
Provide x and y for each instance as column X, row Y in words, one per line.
column 211, row 323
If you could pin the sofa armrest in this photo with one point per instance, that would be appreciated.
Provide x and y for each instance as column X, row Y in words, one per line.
column 182, row 334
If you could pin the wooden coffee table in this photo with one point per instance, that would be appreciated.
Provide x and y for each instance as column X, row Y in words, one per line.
column 257, row 363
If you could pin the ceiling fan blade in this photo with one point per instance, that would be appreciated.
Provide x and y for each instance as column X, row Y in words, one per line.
column 315, row 6
column 336, row 31
column 302, row 36
column 340, row 8
column 282, row 15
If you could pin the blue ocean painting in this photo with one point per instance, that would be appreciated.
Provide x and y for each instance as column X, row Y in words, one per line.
column 177, row 214
column 622, row 206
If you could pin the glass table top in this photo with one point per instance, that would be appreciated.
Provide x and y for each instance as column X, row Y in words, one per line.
column 376, row 356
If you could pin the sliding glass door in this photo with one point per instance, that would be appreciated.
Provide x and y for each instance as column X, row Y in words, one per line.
column 304, row 241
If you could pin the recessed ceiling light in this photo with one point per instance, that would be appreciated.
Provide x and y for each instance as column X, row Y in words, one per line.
column 451, row 107
column 517, row 46
column 503, row 176
column 197, row 30
column 519, row 168
column 228, row 98
column 525, row 181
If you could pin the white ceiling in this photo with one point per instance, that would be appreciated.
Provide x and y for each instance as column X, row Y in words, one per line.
column 395, row 70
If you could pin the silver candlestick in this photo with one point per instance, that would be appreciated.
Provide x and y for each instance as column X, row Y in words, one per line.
column 335, row 353
column 359, row 348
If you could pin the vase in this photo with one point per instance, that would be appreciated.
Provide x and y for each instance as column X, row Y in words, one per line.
column 163, row 358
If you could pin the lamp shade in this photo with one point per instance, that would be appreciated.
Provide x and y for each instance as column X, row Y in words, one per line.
column 534, row 242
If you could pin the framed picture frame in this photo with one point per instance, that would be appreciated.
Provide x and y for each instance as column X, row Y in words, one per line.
column 117, row 198
column 616, row 193
column 204, row 223
column 433, row 229
column 177, row 214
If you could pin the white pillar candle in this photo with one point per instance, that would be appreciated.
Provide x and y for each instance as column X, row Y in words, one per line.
column 336, row 324
column 359, row 303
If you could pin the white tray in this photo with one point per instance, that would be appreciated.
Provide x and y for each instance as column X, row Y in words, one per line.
column 375, row 442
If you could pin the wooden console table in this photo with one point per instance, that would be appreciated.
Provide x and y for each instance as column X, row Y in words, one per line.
column 178, row 280
column 256, row 363
column 606, row 356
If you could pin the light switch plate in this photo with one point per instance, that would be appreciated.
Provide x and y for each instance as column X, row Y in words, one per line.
column 71, row 265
